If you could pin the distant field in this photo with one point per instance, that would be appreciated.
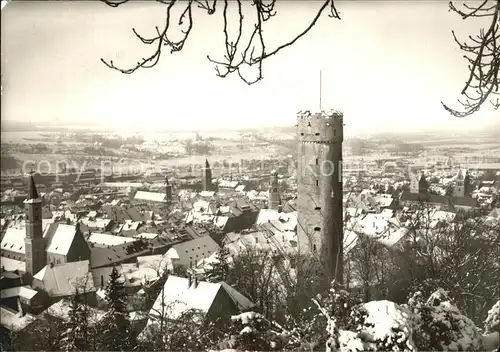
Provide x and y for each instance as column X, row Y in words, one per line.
column 48, row 163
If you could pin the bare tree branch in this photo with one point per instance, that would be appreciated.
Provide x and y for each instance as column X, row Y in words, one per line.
column 483, row 56
column 238, row 54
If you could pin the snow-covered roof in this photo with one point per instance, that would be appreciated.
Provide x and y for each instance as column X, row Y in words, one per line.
column 228, row 184
column 146, row 235
column 151, row 196
column 266, row 215
column 13, row 321
column 180, row 295
column 200, row 206
column 190, row 252
column 20, row 291
column 220, row 221
column 62, row 309
column 158, row 262
column 391, row 238
column 122, row 184
column 13, row 240
column 9, row 264
column 108, row 240
column 207, row 194
column 62, row 239
column 64, row 279
column 97, row 223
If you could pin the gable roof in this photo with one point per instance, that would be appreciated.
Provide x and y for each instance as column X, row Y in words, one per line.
column 106, row 256
column 181, row 295
column 64, row 279
column 13, row 240
column 62, row 239
column 193, row 250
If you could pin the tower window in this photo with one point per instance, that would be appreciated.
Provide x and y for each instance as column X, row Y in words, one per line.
column 275, row 190
column 302, row 134
column 317, row 229
column 317, row 133
column 314, row 248
column 317, row 182
column 317, row 161
column 317, row 208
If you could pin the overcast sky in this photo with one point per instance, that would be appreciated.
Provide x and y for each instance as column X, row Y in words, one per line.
column 386, row 65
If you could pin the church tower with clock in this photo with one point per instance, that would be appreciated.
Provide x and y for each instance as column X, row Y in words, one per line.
column 34, row 243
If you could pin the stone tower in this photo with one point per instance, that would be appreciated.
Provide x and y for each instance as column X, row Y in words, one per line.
column 319, row 187
column 168, row 190
column 34, row 243
column 207, row 177
column 274, row 192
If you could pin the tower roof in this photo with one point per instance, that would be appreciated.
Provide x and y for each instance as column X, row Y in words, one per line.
column 166, row 181
column 32, row 192
column 206, row 163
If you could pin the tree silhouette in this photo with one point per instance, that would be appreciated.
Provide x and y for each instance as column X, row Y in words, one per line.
column 240, row 54
column 482, row 52
column 483, row 56
column 115, row 326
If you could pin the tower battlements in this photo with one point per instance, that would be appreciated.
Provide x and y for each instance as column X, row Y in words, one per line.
column 320, row 127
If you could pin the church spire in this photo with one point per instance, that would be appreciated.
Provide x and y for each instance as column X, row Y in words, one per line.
column 207, row 165
column 32, row 192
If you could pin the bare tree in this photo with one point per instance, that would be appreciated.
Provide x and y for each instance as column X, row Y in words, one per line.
column 483, row 55
column 240, row 54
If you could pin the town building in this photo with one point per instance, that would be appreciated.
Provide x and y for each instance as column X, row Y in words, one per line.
column 58, row 244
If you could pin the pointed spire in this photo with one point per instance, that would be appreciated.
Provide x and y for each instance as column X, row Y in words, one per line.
column 207, row 165
column 32, row 192
column 166, row 181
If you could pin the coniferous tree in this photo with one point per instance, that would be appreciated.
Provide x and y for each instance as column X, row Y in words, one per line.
column 74, row 336
column 115, row 332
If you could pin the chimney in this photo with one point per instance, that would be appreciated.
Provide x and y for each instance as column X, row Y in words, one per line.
column 195, row 281
column 189, row 281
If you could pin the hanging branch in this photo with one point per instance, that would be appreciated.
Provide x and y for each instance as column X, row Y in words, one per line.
column 483, row 55
column 238, row 53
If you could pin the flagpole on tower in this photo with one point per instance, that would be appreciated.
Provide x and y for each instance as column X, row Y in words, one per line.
column 320, row 91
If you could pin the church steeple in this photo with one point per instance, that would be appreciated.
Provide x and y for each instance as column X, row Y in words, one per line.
column 34, row 243
column 168, row 190
column 207, row 177
column 274, row 193
column 32, row 192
